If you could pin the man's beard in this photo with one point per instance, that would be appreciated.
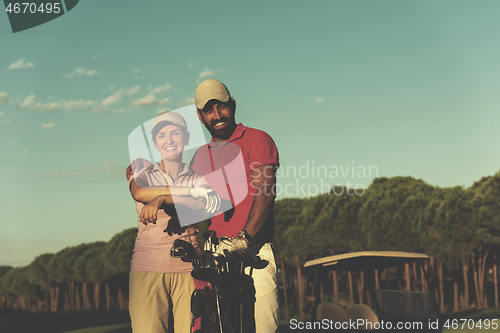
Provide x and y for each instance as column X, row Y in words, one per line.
column 223, row 133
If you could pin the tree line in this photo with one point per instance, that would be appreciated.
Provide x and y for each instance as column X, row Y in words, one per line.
column 458, row 227
column 83, row 277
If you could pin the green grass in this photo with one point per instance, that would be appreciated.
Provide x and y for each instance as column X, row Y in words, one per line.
column 60, row 322
column 118, row 328
column 119, row 322
column 476, row 315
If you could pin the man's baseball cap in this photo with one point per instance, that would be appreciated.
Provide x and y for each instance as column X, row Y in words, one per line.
column 167, row 117
column 211, row 89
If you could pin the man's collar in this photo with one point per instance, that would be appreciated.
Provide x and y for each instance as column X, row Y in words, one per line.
column 237, row 134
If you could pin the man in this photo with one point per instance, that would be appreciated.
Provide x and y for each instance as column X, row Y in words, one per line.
column 245, row 161
column 240, row 165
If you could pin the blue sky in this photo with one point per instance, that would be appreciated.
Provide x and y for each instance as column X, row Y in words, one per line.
column 409, row 88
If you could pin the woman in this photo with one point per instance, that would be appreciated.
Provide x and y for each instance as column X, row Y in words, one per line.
column 170, row 193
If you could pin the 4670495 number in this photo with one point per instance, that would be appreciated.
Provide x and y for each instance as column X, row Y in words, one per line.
column 484, row 324
column 27, row 7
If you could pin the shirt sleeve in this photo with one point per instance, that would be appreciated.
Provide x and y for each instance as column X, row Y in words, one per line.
column 142, row 178
column 262, row 150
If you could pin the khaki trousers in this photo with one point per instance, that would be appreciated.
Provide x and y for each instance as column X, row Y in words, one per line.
column 160, row 303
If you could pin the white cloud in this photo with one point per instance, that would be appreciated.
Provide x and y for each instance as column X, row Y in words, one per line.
column 190, row 65
column 137, row 71
column 48, row 126
column 4, row 98
column 47, row 106
column 165, row 87
column 105, row 167
column 30, row 103
column 68, row 105
column 98, row 109
column 13, row 142
column 139, row 77
column 187, row 101
column 133, row 90
column 20, row 64
column 104, row 109
column 318, row 100
column 149, row 100
column 112, row 99
column 207, row 72
column 161, row 110
column 83, row 72
column 24, row 152
column 109, row 163
column 116, row 97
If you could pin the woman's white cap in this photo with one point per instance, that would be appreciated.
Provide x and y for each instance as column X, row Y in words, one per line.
column 171, row 117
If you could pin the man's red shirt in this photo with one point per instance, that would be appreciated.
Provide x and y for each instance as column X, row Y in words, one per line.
column 228, row 171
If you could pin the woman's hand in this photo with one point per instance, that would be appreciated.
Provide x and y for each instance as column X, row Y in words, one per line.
column 149, row 212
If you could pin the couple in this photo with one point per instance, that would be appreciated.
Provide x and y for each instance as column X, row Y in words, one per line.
column 159, row 284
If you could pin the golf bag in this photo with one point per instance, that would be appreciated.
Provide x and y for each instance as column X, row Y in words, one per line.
column 227, row 306
column 224, row 298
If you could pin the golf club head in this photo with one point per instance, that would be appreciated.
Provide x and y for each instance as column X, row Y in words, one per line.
column 182, row 249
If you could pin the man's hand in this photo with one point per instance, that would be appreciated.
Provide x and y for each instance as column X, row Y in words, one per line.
column 149, row 212
column 209, row 197
column 232, row 245
column 137, row 165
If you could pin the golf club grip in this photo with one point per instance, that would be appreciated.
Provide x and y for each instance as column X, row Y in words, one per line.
column 254, row 261
column 251, row 261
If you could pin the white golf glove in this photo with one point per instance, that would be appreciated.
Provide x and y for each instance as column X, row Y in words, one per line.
column 232, row 245
column 209, row 197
